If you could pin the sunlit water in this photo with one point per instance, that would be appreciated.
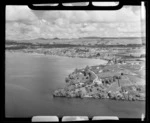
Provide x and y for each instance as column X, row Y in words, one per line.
column 31, row 79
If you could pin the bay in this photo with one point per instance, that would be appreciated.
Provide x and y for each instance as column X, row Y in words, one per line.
column 30, row 80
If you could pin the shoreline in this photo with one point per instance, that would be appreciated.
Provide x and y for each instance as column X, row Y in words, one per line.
column 103, row 99
column 93, row 81
column 42, row 54
column 78, row 86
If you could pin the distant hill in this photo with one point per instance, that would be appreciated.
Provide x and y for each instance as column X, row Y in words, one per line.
column 88, row 40
column 109, row 37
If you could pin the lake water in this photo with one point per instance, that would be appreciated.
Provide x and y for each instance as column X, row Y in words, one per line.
column 30, row 80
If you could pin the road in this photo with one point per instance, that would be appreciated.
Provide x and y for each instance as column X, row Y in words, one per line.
column 96, row 79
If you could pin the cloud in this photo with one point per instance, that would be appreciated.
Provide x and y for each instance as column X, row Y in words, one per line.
column 25, row 23
column 24, row 13
column 21, row 31
column 122, row 15
column 14, row 13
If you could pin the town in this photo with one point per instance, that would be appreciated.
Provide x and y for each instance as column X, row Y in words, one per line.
column 106, row 52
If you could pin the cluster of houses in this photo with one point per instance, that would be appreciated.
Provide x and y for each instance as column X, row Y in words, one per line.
column 84, row 77
column 116, row 61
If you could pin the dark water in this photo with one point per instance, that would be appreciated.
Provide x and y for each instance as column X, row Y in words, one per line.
column 30, row 80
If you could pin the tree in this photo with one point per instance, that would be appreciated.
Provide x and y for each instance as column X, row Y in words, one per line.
column 67, row 79
column 87, row 68
column 103, row 81
column 142, row 55
column 76, row 70
column 98, row 54
column 109, row 81
column 106, row 81
column 96, row 85
column 114, row 78
column 118, row 78
column 84, row 73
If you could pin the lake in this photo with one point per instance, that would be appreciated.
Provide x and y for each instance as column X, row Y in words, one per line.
column 30, row 80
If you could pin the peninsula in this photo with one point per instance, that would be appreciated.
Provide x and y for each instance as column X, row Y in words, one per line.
column 118, row 80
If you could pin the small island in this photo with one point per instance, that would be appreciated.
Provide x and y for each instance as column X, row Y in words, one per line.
column 117, row 80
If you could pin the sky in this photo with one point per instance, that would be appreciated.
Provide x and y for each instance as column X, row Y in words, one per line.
column 22, row 23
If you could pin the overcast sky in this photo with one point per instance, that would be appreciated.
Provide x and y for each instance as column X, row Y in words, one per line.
column 23, row 23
